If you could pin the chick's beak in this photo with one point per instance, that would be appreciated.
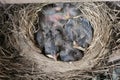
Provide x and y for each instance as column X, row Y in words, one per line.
column 55, row 56
column 75, row 45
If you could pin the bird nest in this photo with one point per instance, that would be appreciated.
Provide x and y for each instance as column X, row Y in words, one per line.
column 23, row 57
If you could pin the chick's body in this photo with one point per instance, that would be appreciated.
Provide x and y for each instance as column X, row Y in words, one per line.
column 80, row 31
column 50, row 47
column 85, row 33
column 70, row 54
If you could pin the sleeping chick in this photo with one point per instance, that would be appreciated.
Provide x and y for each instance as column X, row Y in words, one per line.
column 49, row 46
column 79, row 31
column 70, row 54
column 85, row 32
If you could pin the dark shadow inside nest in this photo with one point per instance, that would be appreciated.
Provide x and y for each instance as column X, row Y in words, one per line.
column 62, row 34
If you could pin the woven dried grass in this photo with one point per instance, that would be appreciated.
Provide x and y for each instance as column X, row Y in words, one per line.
column 21, row 54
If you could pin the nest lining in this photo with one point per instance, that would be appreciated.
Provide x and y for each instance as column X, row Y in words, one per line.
column 24, row 20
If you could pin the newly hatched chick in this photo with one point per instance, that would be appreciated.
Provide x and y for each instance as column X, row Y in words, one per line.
column 80, row 32
column 85, row 32
column 70, row 54
column 45, row 41
column 53, row 14
column 57, row 33
column 70, row 10
column 49, row 46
